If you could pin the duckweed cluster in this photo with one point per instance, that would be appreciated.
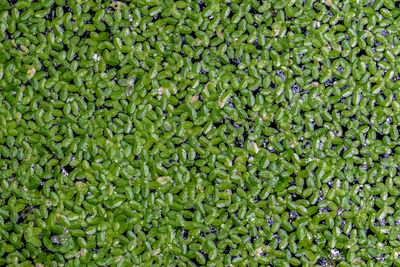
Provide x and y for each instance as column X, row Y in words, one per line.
column 190, row 133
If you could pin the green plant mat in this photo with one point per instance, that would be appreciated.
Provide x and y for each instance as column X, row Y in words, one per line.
column 199, row 132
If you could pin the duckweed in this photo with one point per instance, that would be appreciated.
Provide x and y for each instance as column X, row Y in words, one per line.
column 190, row 133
